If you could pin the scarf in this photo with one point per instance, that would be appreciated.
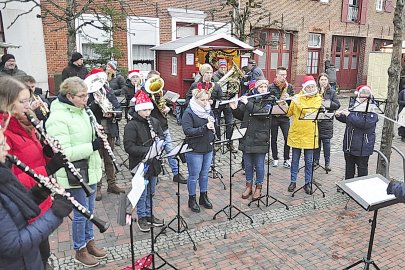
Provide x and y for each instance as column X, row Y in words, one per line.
column 201, row 112
column 12, row 188
column 280, row 85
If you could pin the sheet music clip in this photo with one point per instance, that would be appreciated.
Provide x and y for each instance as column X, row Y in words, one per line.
column 279, row 109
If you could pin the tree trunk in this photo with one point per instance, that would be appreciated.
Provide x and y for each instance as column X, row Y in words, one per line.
column 71, row 28
column 393, row 84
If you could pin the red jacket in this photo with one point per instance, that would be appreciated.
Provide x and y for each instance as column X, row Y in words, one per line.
column 28, row 149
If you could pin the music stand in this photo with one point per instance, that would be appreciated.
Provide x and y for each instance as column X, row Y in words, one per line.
column 315, row 115
column 370, row 193
column 277, row 109
column 237, row 134
column 182, row 225
column 155, row 151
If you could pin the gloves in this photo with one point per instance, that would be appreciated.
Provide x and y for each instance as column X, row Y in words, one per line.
column 61, row 207
column 55, row 163
column 97, row 143
column 47, row 150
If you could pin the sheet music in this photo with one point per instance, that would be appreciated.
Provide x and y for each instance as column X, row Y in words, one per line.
column 138, row 184
column 179, row 149
column 238, row 133
column 155, row 149
column 171, row 96
column 372, row 190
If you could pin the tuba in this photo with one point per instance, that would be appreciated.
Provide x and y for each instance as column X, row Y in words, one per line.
column 154, row 86
column 95, row 84
column 232, row 78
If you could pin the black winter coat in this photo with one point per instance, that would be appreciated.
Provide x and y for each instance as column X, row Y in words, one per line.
column 325, row 127
column 138, row 139
column 256, row 139
column 198, row 136
column 276, row 92
column 359, row 138
column 72, row 70
column 117, row 84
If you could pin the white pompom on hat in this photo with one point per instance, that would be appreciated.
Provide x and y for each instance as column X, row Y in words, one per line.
column 308, row 80
column 142, row 101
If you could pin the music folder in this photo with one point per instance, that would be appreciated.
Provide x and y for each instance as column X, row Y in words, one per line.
column 370, row 191
column 171, row 96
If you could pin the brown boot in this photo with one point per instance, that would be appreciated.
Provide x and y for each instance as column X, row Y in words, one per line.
column 258, row 192
column 113, row 188
column 248, row 191
column 96, row 252
column 82, row 256
column 98, row 194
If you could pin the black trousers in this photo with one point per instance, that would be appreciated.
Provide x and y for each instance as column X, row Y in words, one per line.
column 284, row 124
column 352, row 162
column 45, row 251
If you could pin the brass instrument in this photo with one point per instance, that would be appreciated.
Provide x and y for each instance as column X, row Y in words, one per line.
column 95, row 84
column 42, row 105
column 154, row 86
column 232, row 78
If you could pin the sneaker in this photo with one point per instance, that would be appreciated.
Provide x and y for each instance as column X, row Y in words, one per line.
column 179, row 179
column 155, row 221
column 275, row 163
column 291, row 187
column 287, row 164
column 143, row 225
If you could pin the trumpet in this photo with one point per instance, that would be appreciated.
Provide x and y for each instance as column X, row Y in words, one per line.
column 42, row 105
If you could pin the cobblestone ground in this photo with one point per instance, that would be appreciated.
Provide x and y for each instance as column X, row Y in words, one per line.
column 327, row 237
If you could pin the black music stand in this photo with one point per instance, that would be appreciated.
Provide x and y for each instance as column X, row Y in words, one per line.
column 213, row 170
column 315, row 115
column 370, row 193
column 182, row 225
column 155, row 151
column 237, row 134
column 277, row 109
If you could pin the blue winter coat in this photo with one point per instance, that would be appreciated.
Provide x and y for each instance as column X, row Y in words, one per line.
column 19, row 241
column 398, row 189
column 359, row 138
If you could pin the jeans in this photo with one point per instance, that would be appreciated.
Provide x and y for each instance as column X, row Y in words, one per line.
column 284, row 124
column 228, row 121
column 143, row 207
column 169, row 147
column 332, row 86
column 198, row 165
column 352, row 161
column 251, row 161
column 295, row 162
column 82, row 228
column 326, row 150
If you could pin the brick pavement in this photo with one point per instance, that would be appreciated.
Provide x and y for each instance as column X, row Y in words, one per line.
column 328, row 237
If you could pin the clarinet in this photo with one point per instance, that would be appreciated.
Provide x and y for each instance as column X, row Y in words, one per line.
column 100, row 133
column 56, row 148
column 101, row 225
column 152, row 132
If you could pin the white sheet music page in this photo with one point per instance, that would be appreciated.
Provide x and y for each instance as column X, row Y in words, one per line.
column 372, row 190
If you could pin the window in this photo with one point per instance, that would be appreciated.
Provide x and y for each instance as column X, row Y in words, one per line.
column 354, row 11
column 378, row 44
column 313, row 62
column 314, row 41
column 174, row 66
column 379, row 5
column 186, row 29
column 143, row 57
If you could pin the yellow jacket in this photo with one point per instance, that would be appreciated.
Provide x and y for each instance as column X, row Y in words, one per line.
column 302, row 132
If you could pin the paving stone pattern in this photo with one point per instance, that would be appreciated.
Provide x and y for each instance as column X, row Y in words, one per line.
column 327, row 237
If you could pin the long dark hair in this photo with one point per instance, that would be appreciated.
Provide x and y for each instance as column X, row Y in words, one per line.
column 317, row 82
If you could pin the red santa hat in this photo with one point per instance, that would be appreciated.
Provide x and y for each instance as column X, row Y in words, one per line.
column 222, row 63
column 363, row 89
column 132, row 73
column 142, row 101
column 94, row 71
column 308, row 80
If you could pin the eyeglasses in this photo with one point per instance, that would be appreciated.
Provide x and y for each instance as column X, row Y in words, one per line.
column 84, row 96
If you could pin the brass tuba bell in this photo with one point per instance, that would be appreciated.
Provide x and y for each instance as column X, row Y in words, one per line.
column 154, row 86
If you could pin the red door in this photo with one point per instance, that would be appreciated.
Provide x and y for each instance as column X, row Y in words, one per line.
column 345, row 55
column 277, row 52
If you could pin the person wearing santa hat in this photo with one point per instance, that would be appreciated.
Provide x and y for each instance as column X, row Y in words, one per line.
column 110, row 125
column 132, row 85
column 75, row 67
column 8, row 67
column 255, row 144
column 139, row 135
column 302, row 132
column 359, row 137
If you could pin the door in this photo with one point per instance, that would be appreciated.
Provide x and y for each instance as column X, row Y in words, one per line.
column 345, row 55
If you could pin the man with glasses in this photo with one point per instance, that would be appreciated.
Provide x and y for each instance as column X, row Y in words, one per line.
column 8, row 67
column 281, row 89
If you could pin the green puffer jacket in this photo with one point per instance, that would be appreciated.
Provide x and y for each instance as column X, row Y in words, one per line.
column 71, row 126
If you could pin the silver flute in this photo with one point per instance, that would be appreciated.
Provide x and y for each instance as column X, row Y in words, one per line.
column 53, row 188
column 100, row 133
column 56, row 148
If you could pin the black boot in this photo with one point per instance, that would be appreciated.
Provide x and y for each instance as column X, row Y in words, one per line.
column 192, row 204
column 204, row 200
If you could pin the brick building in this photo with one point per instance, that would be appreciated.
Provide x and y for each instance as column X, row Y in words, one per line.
column 343, row 32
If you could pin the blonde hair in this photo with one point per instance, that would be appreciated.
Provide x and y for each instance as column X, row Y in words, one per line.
column 10, row 88
column 72, row 85
column 198, row 93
